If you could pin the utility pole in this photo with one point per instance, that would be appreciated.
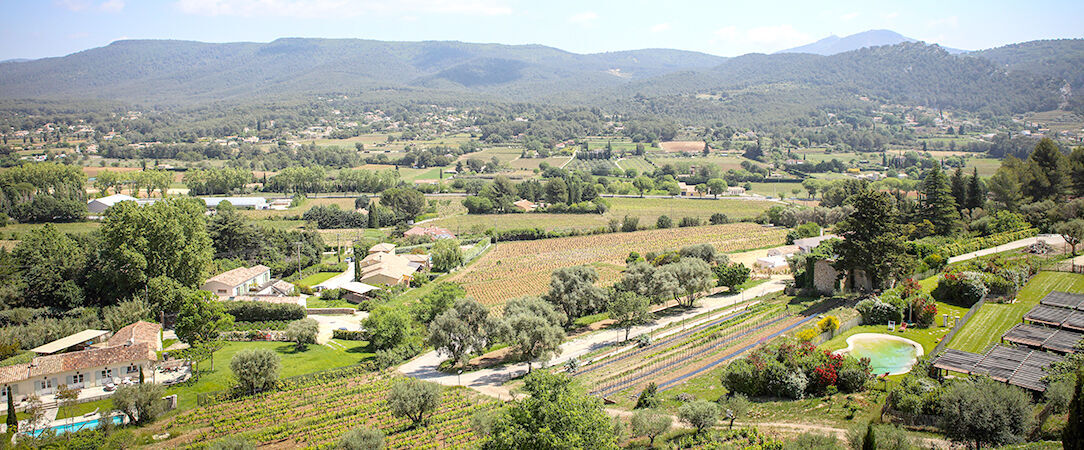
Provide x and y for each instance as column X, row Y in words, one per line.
column 298, row 260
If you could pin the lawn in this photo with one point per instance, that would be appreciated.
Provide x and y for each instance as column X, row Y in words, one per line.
column 317, row 302
column 103, row 405
column 315, row 358
column 18, row 230
column 993, row 319
column 317, row 278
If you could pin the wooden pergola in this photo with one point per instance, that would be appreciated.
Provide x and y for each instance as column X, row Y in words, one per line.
column 1017, row 366
column 1043, row 338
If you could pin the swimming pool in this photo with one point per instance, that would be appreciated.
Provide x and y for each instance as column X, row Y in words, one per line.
column 889, row 354
column 76, row 426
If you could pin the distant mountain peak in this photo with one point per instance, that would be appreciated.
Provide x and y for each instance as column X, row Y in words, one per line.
column 833, row 44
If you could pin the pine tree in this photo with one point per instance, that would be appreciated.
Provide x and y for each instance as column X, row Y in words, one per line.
column 1049, row 172
column 938, row 203
column 976, row 193
column 959, row 187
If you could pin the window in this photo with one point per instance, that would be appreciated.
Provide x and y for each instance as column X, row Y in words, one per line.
column 75, row 379
column 107, row 373
column 133, row 369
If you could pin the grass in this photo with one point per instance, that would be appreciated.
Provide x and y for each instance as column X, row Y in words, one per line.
column 21, row 229
column 993, row 319
column 102, row 405
column 317, row 278
column 317, row 302
column 313, row 359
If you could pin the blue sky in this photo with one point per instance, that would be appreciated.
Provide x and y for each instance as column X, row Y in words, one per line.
column 41, row 28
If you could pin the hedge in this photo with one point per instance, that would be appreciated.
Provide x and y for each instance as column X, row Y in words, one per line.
column 993, row 240
column 348, row 335
column 249, row 311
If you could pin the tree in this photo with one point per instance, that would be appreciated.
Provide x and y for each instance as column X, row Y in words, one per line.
column 1005, row 188
column 629, row 309
column 985, row 412
column 873, row 239
column 106, row 180
column 959, row 187
column 66, row 396
column 828, row 323
column 700, row 414
column 648, row 397
column 256, row 369
column 201, row 318
column 461, row 330
column 650, row 423
column 12, row 420
column 373, row 216
column 1072, row 231
column 664, row 222
column 573, row 291
column 553, row 415
column 413, row 399
column 637, row 278
column 643, row 184
column 166, row 238
column 693, row 276
column 735, row 407
column 556, row 191
column 1072, row 437
column 436, row 301
column 362, row 439
column 976, row 193
column 35, row 411
column 717, row 186
column 1047, row 172
column 535, row 328
column 732, row 275
column 51, row 263
column 446, row 255
column 406, row 203
column 938, row 203
column 142, row 403
column 390, row 327
column 303, row 332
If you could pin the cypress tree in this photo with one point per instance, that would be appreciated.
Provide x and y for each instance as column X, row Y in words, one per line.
column 938, row 203
column 373, row 219
column 869, row 441
column 13, row 421
column 1072, row 437
column 976, row 194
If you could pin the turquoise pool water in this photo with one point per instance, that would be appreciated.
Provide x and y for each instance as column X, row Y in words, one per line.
column 887, row 354
column 76, row 426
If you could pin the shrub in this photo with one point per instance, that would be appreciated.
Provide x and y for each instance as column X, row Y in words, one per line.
column 718, row 219
column 807, row 334
column 689, row 222
column 362, row 439
column 349, row 335
column 664, row 221
column 699, row 414
column 852, row 379
column 741, row 376
column 648, row 398
column 243, row 311
column 141, row 402
column 303, row 332
column 874, row 311
column 963, row 289
column 255, row 369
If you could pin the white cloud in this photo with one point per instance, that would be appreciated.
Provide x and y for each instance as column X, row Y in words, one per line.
column 849, row 16
column 339, row 8
column 944, row 22
column 760, row 39
column 583, row 18
column 89, row 5
column 659, row 28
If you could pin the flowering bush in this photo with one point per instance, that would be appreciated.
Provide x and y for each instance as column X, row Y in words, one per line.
column 792, row 370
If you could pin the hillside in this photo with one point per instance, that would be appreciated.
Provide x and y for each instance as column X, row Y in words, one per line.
column 748, row 89
column 183, row 71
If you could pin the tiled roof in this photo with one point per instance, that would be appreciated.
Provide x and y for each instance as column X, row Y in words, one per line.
column 239, row 275
column 86, row 359
column 291, row 300
column 138, row 332
column 382, row 247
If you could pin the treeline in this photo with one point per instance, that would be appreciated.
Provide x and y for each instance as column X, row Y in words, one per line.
column 44, row 192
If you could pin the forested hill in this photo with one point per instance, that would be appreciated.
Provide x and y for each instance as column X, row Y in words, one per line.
column 796, row 84
column 164, row 72
column 748, row 89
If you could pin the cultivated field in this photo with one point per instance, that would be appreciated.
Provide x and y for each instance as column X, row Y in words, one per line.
column 315, row 411
column 647, row 209
column 682, row 146
column 515, row 269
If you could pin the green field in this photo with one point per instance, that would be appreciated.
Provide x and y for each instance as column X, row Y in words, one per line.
column 317, row 278
column 992, row 320
column 314, row 358
column 636, row 162
column 17, row 230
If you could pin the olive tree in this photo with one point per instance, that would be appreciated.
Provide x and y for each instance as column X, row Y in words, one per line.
column 256, row 369
column 650, row 423
column 142, row 403
column 700, row 414
column 985, row 412
column 413, row 399
column 362, row 439
column 303, row 332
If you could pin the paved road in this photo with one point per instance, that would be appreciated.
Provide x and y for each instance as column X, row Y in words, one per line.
column 489, row 381
column 1053, row 240
column 338, row 280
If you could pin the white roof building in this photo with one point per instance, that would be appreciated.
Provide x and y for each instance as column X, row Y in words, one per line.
column 238, row 202
column 99, row 205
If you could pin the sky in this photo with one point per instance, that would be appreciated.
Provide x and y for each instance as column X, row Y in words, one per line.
column 45, row 28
